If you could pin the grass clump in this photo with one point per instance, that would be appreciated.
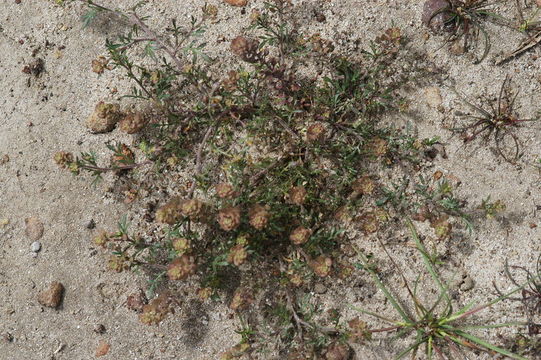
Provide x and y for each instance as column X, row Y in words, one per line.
column 436, row 326
column 497, row 123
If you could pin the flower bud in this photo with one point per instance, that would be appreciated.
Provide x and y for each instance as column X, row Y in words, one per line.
column 300, row 235
column 229, row 218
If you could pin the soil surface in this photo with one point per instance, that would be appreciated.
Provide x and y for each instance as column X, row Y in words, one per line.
column 47, row 90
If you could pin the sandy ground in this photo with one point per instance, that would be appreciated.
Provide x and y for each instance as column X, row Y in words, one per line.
column 44, row 114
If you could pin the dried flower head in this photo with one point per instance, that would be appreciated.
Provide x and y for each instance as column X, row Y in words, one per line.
column 192, row 208
column 369, row 222
column 118, row 263
column 359, row 331
column 321, row 265
column 442, row 227
column 316, row 132
column 235, row 352
column 297, row 195
column 104, row 117
column 259, row 217
column 231, row 82
column 241, row 299
column 124, row 156
column 338, row 351
column 136, row 301
column 181, row 245
column 170, row 213
column 295, row 278
column 181, row 267
column 364, row 185
column 132, row 122
column 237, row 255
column 210, row 11
column 204, row 293
column 300, row 235
column 99, row 65
column 63, row 159
column 156, row 311
column 245, row 48
column 320, row 44
column 225, row 191
column 101, row 239
column 378, row 146
column 229, row 218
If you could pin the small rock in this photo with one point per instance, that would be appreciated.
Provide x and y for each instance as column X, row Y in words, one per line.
column 3, row 222
column 467, row 283
column 35, row 247
column 433, row 96
column 52, row 297
column 320, row 289
column 34, row 228
column 102, row 349
column 7, row 337
column 90, row 224
column 99, row 329
column 237, row 2
column 432, row 17
column 4, row 159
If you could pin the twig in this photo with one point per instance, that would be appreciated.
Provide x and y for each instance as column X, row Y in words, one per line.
column 527, row 44
column 136, row 20
column 150, row 35
column 301, row 323
column 198, row 160
column 114, row 168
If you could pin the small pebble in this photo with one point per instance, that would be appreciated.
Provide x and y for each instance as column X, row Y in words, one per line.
column 35, row 247
column 99, row 329
column 52, row 297
column 467, row 284
column 102, row 349
column 34, row 228
column 433, row 96
column 90, row 224
column 8, row 337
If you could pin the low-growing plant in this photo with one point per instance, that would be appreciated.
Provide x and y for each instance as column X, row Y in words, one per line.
column 437, row 326
column 499, row 123
column 463, row 20
column 262, row 168
column 530, row 296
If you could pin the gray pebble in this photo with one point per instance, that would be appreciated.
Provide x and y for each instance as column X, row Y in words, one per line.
column 35, row 247
column 467, row 284
column 90, row 224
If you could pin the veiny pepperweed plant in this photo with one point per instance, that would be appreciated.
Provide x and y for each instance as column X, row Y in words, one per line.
column 437, row 327
column 246, row 183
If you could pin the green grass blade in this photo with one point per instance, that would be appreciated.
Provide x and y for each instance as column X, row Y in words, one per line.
column 477, row 309
column 487, row 345
column 390, row 321
column 410, row 348
column 427, row 261
column 492, row 326
column 384, row 289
